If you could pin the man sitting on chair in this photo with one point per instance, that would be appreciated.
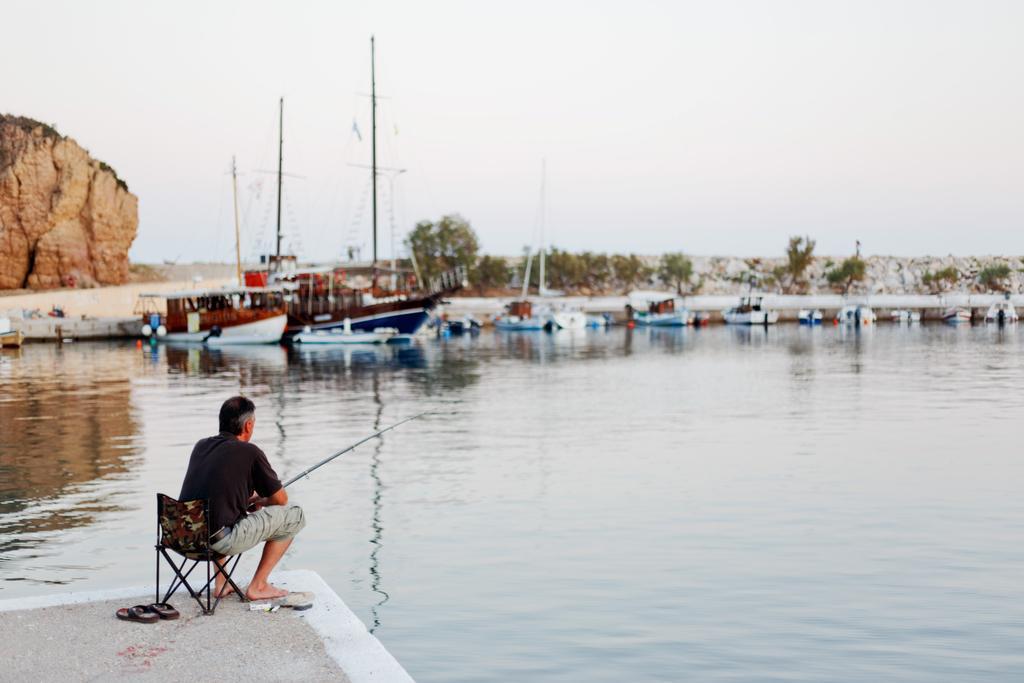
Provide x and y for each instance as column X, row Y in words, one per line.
column 248, row 505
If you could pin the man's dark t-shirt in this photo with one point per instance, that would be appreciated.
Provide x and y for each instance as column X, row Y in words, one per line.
column 227, row 471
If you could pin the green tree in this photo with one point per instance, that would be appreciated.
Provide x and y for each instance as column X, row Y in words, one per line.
column 443, row 245
column 597, row 269
column 676, row 269
column 564, row 270
column 940, row 280
column 851, row 270
column 799, row 256
column 630, row 271
column 491, row 272
column 995, row 277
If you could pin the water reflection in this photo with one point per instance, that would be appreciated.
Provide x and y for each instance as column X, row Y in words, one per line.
column 66, row 423
column 377, row 537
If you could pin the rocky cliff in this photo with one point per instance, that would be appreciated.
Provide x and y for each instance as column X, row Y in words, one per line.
column 66, row 219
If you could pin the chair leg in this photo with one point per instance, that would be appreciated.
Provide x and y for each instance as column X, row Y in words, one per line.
column 227, row 577
column 156, row 598
column 180, row 579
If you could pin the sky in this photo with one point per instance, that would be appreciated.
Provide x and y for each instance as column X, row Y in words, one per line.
column 706, row 127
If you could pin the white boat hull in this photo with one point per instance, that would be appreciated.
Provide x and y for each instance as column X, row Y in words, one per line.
column 751, row 317
column 517, row 324
column 957, row 316
column 569, row 320
column 809, row 317
column 266, row 331
column 338, row 337
column 856, row 315
column 1009, row 313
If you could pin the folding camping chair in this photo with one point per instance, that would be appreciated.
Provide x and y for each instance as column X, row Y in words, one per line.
column 184, row 527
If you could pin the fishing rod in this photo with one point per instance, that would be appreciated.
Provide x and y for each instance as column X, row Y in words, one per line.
column 345, row 450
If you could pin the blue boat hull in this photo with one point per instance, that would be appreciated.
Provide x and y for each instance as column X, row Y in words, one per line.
column 408, row 321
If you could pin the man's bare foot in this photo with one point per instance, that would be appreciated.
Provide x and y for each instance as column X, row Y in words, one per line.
column 267, row 591
column 223, row 590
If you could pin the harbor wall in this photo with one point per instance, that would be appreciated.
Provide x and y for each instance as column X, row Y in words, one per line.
column 930, row 306
column 95, row 313
column 96, row 302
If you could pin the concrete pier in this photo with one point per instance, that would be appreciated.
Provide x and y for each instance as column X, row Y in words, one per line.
column 75, row 636
column 930, row 306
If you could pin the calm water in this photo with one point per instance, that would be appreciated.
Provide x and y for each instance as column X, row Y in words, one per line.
column 716, row 504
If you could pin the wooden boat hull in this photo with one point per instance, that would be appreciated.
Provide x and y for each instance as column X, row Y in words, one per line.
column 12, row 339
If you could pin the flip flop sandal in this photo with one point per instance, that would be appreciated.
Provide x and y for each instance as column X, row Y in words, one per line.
column 139, row 613
column 297, row 601
column 164, row 611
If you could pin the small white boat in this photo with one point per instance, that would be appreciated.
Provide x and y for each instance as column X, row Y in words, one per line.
column 1001, row 312
column 567, row 319
column 956, row 315
column 519, row 317
column 856, row 314
column 810, row 317
column 346, row 335
column 10, row 338
column 599, row 321
column 467, row 324
column 905, row 316
column 750, row 311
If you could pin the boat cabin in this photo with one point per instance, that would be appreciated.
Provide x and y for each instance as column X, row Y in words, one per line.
column 202, row 310
column 662, row 307
column 523, row 309
column 749, row 304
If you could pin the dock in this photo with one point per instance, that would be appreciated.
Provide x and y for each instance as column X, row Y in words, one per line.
column 931, row 306
column 75, row 636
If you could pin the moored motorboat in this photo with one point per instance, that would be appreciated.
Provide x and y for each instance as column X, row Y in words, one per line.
column 954, row 315
column 807, row 316
column 519, row 317
column 464, row 325
column 567, row 319
column 10, row 338
column 345, row 335
column 750, row 311
column 856, row 314
column 906, row 316
column 241, row 315
column 662, row 313
column 1001, row 312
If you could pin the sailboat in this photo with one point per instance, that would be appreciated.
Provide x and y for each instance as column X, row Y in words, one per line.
column 332, row 298
column 518, row 315
column 217, row 317
column 564, row 317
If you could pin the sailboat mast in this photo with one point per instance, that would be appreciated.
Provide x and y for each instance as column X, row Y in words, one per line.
column 280, row 161
column 238, row 247
column 373, row 143
column 543, row 285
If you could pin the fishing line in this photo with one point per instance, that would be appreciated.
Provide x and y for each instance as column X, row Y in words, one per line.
column 347, row 449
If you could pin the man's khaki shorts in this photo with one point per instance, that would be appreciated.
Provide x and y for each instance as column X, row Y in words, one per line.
column 272, row 523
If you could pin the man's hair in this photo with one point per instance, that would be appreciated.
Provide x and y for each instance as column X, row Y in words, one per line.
column 235, row 412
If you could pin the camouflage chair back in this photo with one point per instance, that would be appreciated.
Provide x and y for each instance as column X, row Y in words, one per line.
column 183, row 527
